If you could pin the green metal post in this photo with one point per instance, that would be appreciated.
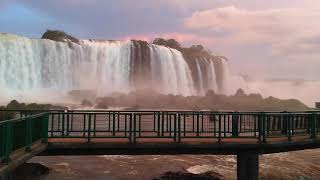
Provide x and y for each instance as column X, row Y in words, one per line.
column 235, row 124
column 63, row 124
column 94, row 125
column 193, row 122
column 59, row 119
column 130, row 129
column 109, row 121
column 162, row 125
column 179, row 128
column 89, row 128
column 167, row 121
column 170, row 122
column 289, row 129
column 284, row 128
column 29, row 134
column 264, row 127
column 314, row 126
column 139, row 125
column 268, row 124
column 219, row 139
column 198, row 124
column 8, row 142
column 113, row 124
column 72, row 122
column 125, row 125
column 45, row 127
column 260, row 127
column 52, row 125
column 214, row 125
column 68, row 121
column 202, row 128
column 118, row 115
column 159, row 123
column 3, row 141
column 84, row 125
column 134, row 128
column 154, row 121
column 184, row 125
column 175, row 128
column 224, row 125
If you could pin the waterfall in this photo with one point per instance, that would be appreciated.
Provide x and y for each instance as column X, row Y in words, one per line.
column 170, row 72
column 211, row 77
column 200, row 91
column 105, row 67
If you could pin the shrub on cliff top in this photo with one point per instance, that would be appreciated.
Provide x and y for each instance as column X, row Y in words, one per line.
column 59, row 36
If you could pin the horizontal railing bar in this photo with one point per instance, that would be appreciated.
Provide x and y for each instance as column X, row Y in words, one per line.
column 23, row 118
column 141, row 111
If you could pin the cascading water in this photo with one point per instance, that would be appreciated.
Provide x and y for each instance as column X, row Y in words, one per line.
column 201, row 91
column 105, row 67
column 170, row 72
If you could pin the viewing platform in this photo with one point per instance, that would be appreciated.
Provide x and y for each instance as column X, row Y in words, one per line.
column 245, row 134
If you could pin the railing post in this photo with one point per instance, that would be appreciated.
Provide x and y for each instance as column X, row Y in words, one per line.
column 134, row 127
column 154, row 121
column 289, row 127
column 68, row 121
column 220, row 127
column 179, row 128
column 139, row 125
column 113, row 124
column 63, row 125
column 45, row 127
column 8, row 142
column 52, row 124
column 175, row 128
column 84, row 124
column 235, row 124
column 130, row 129
column 125, row 125
column 3, row 140
column 89, row 128
column 159, row 123
column 94, row 125
column 184, row 124
column 29, row 134
column 262, row 128
column 162, row 123
column 313, row 126
column 197, row 123
column 284, row 127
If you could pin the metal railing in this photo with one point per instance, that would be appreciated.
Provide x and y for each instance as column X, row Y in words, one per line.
column 21, row 133
column 179, row 125
column 174, row 125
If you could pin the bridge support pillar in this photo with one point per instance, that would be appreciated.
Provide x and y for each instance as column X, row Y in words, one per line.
column 247, row 166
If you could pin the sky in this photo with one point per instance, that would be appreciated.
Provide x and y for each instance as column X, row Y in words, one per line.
column 262, row 39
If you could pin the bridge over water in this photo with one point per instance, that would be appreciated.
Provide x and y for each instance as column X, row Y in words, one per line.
column 245, row 134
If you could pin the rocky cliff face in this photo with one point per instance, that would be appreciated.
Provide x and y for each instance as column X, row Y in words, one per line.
column 59, row 36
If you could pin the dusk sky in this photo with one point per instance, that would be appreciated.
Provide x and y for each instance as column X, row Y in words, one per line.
column 263, row 39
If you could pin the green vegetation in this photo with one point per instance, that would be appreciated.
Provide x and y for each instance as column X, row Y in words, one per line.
column 212, row 101
column 15, row 105
column 194, row 51
column 59, row 36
